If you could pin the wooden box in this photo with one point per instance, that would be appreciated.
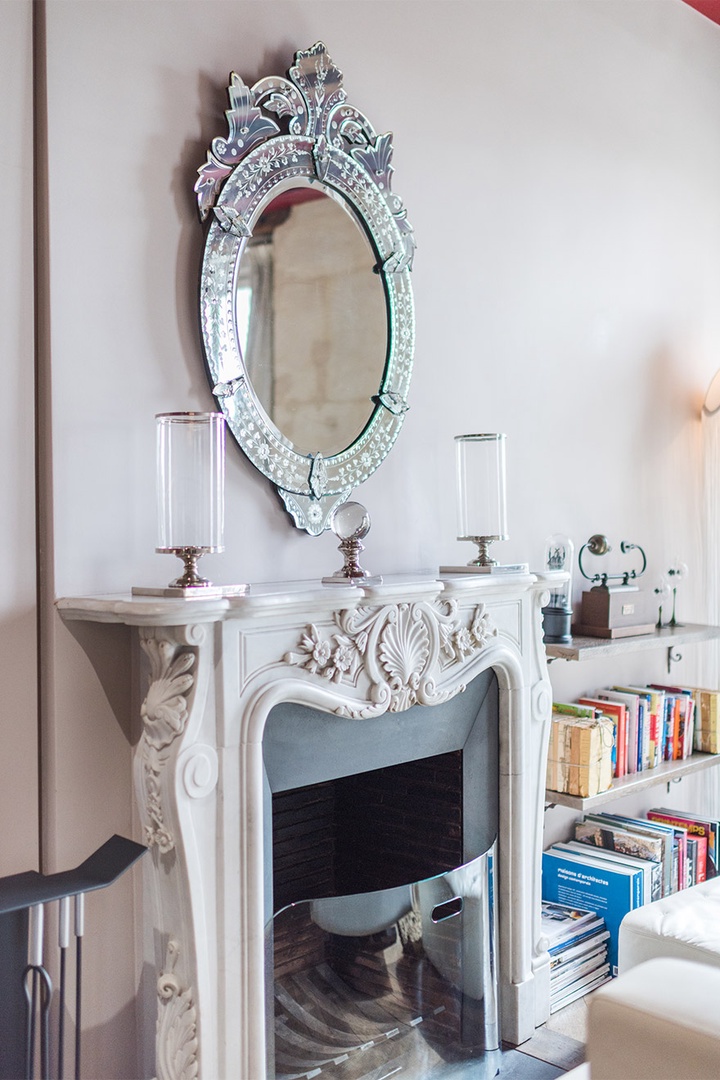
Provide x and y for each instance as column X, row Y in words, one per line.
column 613, row 611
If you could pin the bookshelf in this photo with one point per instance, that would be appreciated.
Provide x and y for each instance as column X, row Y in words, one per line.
column 663, row 773
column 595, row 648
column 590, row 648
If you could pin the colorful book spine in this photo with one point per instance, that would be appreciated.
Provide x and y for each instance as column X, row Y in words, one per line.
column 697, row 828
column 617, row 712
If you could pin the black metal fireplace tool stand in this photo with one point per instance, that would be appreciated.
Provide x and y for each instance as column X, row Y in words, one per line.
column 26, row 989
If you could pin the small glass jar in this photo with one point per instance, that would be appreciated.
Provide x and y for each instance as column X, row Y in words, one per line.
column 557, row 614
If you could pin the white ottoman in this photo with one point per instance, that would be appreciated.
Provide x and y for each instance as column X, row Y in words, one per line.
column 659, row 1021
column 685, row 925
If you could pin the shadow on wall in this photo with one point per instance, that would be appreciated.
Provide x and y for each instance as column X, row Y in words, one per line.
column 109, row 1046
column 19, row 742
column 111, row 656
column 17, row 661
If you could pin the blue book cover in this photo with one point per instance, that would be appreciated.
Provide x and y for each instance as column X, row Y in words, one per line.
column 584, row 882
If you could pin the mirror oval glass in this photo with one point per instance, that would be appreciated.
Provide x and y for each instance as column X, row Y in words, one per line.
column 306, row 305
column 312, row 322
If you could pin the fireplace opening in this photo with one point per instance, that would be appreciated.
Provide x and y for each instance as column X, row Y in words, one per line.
column 379, row 863
column 369, row 831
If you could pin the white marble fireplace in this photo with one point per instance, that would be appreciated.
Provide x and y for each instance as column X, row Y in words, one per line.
column 214, row 670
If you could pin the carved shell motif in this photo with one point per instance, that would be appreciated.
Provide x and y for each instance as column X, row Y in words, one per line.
column 403, row 651
column 177, row 1042
column 164, row 714
column 401, row 648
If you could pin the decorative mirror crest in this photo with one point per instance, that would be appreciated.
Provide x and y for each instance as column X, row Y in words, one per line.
column 313, row 143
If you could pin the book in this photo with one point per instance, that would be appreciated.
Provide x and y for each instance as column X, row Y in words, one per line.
column 659, row 831
column 679, row 714
column 561, row 924
column 645, row 758
column 577, row 942
column 692, row 860
column 560, row 978
column 587, row 944
column 675, row 851
column 603, row 833
column 580, row 879
column 707, row 736
column 634, row 737
column 696, row 826
column 652, row 871
column 617, row 712
column 573, row 708
column 577, row 990
column 654, row 717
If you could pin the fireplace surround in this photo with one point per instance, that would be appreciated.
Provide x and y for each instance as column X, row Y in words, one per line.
column 336, row 667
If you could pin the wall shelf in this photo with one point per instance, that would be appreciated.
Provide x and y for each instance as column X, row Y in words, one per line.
column 591, row 648
column 633, row 782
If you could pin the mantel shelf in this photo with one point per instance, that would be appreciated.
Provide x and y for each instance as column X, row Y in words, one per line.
column 591, row 648
column 633, row 782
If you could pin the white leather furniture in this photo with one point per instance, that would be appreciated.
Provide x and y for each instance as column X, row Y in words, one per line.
column 659, row 1020
column 685, row 925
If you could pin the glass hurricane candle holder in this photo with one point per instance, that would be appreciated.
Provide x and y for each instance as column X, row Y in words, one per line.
column 481, row 505
column 190, row 490
column 481, row 502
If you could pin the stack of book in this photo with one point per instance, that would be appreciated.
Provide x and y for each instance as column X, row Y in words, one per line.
column 700, row 837
column 616, row 863
column 577, row 943
column 650, row 724
column 577, row 876
column 654, row 724
column 581, row 754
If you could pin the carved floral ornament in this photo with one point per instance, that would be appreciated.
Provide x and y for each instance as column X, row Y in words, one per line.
column 401, row 648
column 164, row 714
column 177, row 1042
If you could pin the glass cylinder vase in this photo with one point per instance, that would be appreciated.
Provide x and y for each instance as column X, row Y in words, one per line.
column 480, row 478
column 190, row 481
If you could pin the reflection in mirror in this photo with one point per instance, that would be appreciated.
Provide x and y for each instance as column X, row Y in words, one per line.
column 312, row 320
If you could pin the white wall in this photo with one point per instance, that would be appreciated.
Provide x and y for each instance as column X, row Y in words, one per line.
column 560, row 163
column 18, row 711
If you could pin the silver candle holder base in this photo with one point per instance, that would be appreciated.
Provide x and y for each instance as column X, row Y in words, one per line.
column 483, row 563
column 190, row 585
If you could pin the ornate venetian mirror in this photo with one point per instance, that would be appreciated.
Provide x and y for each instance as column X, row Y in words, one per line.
column 305, row 297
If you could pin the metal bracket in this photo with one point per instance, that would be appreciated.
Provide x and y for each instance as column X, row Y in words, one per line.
column 672, row 658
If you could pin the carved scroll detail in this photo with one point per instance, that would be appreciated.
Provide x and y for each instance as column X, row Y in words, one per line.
column 164, row 714
column 401, row 648
column 177, row 1041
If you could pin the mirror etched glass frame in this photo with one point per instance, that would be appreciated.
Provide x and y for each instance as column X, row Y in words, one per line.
column 318, row 139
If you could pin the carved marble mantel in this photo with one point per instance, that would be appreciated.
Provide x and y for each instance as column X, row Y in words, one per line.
column 215, row 669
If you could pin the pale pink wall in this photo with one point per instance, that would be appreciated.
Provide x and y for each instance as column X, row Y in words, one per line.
column 561, row 166
column 18, row 710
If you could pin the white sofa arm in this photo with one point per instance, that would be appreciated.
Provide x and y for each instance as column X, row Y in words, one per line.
column 658, row 1021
